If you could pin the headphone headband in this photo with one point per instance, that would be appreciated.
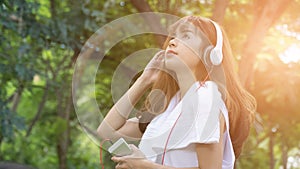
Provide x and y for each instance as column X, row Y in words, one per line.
column 216, row 55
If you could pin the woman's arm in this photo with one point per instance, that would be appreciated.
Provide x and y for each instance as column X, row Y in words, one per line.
column 152, row 165
column 210, row 156
column 137, row 160
column 134, row 163
column 115, row 124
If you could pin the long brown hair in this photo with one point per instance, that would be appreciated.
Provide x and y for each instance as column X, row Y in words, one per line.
column 241, row 104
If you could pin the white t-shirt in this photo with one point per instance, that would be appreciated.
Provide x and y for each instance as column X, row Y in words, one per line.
column 199, row 112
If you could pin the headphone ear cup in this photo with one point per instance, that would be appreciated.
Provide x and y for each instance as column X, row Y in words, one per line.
column 215, row 57
column 207, row 56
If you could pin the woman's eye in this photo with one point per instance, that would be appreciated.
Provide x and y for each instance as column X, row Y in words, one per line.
column 185, row 36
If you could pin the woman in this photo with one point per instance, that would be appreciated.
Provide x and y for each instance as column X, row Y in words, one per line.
column 193, row 120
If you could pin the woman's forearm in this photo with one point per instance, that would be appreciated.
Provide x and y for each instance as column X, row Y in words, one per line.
column 119, row 113
column 151, row 165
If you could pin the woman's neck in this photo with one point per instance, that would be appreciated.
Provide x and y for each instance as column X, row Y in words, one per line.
column 185, row 80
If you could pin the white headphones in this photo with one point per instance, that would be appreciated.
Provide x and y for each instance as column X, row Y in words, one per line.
column 216, row 56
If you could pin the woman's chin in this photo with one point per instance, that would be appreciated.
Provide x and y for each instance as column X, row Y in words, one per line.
column 169, row 66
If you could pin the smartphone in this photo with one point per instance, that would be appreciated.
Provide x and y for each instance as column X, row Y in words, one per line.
column 120, row 148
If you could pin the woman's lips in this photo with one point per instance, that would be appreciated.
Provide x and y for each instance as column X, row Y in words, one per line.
column 171, row 52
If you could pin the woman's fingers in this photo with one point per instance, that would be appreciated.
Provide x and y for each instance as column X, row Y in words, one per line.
column 134, row 148
column 156, row 61
column 117, row 159
column 160, row 56
column 153, row 67
column 136, row 153
column 122, row 163
column 120, row 166
column 130, row 161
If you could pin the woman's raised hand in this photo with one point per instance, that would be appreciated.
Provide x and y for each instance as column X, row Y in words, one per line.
column 152, row 69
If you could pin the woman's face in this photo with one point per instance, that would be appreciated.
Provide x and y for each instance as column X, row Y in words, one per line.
column 184, row 49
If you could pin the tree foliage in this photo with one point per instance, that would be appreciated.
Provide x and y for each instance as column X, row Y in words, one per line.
column 40, row 41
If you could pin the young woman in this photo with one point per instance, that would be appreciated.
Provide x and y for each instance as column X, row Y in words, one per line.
column 192, row 119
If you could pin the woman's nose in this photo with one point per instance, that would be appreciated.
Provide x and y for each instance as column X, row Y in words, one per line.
column 172, row 43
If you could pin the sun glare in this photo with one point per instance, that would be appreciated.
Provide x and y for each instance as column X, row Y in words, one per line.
column 292, row 54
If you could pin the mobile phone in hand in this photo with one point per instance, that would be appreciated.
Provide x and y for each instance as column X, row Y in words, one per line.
column 120, row 148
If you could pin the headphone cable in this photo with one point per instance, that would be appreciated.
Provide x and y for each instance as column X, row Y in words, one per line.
column 101, row 151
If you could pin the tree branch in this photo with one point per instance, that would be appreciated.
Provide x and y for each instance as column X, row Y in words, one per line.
column 40, row 108
column 52, row 8
column 154, row 22
column 220, row 10
column 16, row 98
column 269, row 14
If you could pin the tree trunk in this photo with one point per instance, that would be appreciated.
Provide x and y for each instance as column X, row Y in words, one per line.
column 40, row 109
column 267, row 15
column 219, row 10
column 271, row 150
column 63, row 111
column 52, row 8
column 141, row 5
column 284, row 155
column 154, row 22
column 16, row 99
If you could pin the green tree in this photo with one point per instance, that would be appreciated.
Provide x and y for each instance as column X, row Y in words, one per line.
column 40, row 41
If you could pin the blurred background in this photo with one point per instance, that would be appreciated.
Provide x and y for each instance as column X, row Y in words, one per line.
column 40, row 41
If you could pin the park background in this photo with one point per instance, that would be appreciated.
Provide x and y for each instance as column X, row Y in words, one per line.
column 40, row 41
